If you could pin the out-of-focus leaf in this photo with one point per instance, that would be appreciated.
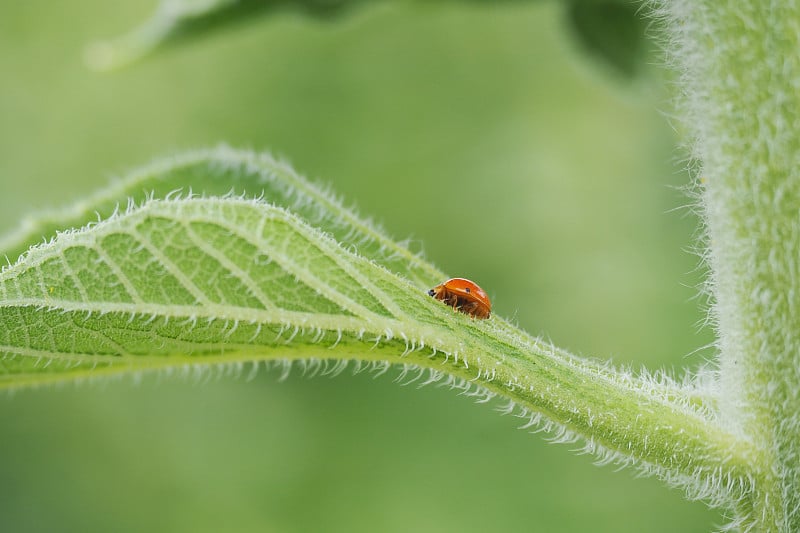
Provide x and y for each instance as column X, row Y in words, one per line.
column 176, row 21
column 611, row 31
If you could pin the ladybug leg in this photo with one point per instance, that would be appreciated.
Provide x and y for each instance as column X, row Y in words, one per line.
column 452, row 301
column 469, row 308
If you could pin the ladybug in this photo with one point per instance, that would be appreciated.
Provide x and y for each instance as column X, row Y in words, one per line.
column 465, row 296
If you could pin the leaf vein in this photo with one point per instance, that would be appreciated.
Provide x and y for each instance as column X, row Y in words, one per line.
column 72, row 275
column 301, row 273
column 335, row 255
column 120, row 274
column 172, row 269
column 232, row 267
column 210, row 312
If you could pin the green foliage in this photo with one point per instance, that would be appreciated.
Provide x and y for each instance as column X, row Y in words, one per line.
column 612, row 31
column 227, row 172
column 198, row 449
column 193, row 253
column 178, row 280
column 178, row 20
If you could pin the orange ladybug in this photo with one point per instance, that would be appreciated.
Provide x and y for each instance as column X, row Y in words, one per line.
column 465, row 296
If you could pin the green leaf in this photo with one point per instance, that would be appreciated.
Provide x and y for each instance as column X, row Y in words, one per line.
column 223, row 171
column 611, row 31
column 177, row 282
column 176, row 21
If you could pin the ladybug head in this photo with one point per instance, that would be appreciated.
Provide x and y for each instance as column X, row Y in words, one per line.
column 431, row 292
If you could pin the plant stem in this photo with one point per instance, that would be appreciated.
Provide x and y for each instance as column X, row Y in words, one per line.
column 741, row 71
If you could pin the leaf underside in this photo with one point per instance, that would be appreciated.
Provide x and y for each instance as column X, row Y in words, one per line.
column 199, row 255
column 191, row 279
column 216, row 257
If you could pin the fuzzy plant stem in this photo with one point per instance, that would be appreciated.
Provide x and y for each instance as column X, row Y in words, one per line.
column 740, row 62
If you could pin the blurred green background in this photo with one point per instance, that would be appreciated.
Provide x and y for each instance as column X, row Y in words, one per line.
column 482, row 130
